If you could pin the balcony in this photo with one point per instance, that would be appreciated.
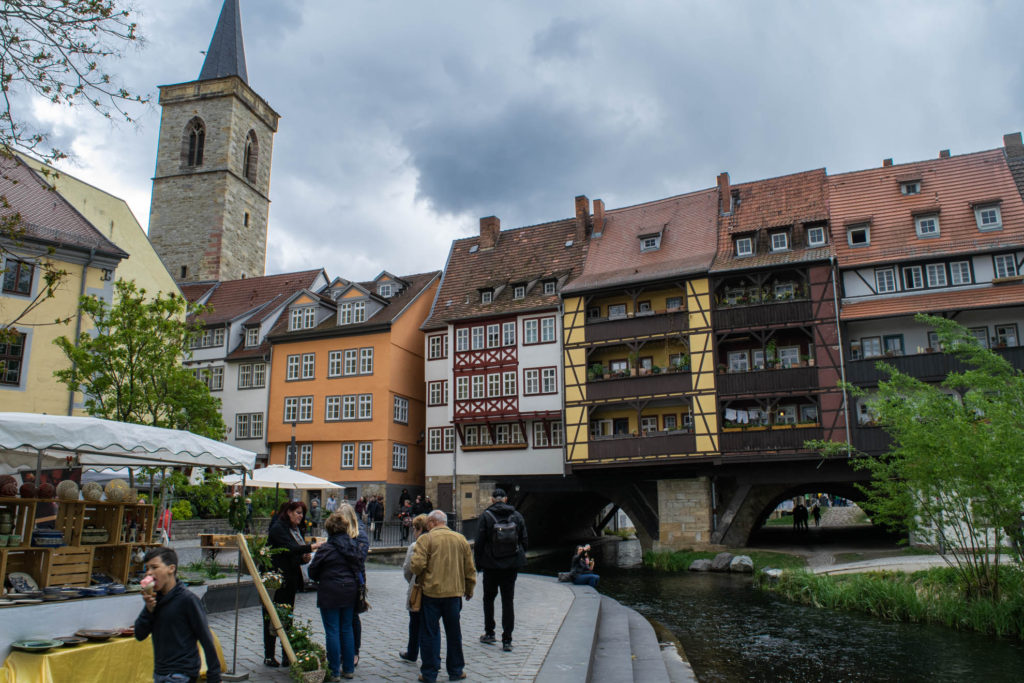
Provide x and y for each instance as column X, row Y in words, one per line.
column 871, row 440
column 762, row 315
column 768, row 381
column 632, row 447
column 627, row 387
column 779, row 438
column 928, row 367
column 642, row 325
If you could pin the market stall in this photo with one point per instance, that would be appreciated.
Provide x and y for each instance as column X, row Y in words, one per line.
column 98, row 537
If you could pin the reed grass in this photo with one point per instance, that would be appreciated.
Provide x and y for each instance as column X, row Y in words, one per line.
column 935, row 596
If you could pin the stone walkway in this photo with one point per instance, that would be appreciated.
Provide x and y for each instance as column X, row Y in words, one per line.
column 541, row 605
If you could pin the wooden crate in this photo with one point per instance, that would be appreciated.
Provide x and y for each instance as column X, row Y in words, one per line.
column 104, row 516
column 23, row 517
column 70, row 519
column 143, row 516
column 33, row 561
column 112, row 560
column 71, row 566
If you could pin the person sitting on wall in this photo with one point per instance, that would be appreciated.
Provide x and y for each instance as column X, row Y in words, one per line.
column 582, row 570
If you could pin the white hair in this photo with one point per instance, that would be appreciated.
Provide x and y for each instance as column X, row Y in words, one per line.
column 438, row 516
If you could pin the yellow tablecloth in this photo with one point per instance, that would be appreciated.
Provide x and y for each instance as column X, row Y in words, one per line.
column 124, row 660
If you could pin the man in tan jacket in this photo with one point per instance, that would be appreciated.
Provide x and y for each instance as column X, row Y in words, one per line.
column 443, row 561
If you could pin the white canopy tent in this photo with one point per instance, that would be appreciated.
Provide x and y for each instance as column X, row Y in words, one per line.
column 283, row 477
column 29, row 441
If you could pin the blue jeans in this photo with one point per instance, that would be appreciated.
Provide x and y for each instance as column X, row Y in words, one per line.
column 341, row 644
column 435, row 610
column 586, row 580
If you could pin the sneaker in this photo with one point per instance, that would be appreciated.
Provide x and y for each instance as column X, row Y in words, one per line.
column 488, row 639
column 271, row 662
column 404, row 656
column 507, row 646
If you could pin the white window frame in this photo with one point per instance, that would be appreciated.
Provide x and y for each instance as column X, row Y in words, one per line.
column 462, row 339
column 935, row 275
column 366, row 360
column 739, row 361
column 292, row 367
column 927, row 225
column 960, row 273
column 1004, row 265
column 508, row 334
column 540, row 435
column 435, row 440
column 509, row 383
column 401, row 413
column 252, row 337
column 399, row 457
column 479, row 337
column 348, row 407
column 744, row 246
column 531, row 328
column 547, row 330
column 648, row 423
column 462, row 388
column 386, row 289
column 365, row 406
column 365, row 455
column 494, row 385
column 348, row 456
column 780, row 241
column 548, row 380
column 291, row 409
column 335, row 363
column 910, row 187
column 358, row 311
column 549, row 288
column 650, row 243
column 478, row 386
column 789, row 356
column 308, row 365
column 305, row 409
column 493, row 336
column 813, row 241
column 437, row 393
column 305, row 456
column 519, row 292
column 531, row 381
column 351, row 365
column 332, row 409
column 486, row 296
column 449, row 439
column 887, row 277
column 913, row 277
column 988, row 217
column 470, row 436
column 437, row 346
column 861, row 228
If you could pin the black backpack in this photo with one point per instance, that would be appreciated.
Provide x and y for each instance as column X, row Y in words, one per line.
column 504, row 537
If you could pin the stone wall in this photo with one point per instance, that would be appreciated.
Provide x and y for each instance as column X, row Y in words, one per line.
column 684, row 513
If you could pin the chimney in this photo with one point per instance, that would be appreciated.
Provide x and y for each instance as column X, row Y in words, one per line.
column 886, row 163
column 1013, row 144
column 582, row 214
column 943, row 153
column 724, row 193
column 598, row 226
column 489, row 229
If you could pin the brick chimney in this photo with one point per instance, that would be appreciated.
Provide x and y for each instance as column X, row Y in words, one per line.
column 598, row 226
column 489, row 229
column 886, row 163
column 1014, row 145
column 582, row 215
column 943, row 153
column 724, row 193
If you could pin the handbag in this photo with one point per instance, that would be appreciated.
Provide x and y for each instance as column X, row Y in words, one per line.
column 362, row 604
column 415, row 597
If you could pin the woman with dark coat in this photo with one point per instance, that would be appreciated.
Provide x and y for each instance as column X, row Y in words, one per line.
column 338, row 568
column 286, row 532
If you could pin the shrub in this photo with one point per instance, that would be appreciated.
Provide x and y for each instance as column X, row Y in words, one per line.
column 181, row 510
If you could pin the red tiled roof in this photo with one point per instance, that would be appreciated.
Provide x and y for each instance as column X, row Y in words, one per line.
column 386, row 315
column 951, row 185
column 45, row 215
column 774, row 202
column 250, row 353
column 791, row 200
column 687, row 224
column 235, row 298
column 195, row 291
column 988, row 297
column 522, row 255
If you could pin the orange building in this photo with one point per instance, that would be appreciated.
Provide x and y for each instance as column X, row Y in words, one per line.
column 346, row 383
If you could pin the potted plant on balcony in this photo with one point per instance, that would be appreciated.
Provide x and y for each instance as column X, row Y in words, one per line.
column 633, row 357
column 655, row 370
column 721, row 368
column 808, row 360
column 595, row 372
column 769, row 353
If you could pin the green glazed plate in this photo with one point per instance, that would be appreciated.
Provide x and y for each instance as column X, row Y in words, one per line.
column 41, row 645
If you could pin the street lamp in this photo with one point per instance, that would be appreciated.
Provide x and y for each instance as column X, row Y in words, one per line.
column 291, row 458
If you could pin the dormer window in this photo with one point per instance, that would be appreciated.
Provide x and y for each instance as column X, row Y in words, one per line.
column 549, row 287
column 519, row 292
column 816, row 236
column 988, row 217
column 744, row 246
column 780, row 241
column 486, row 296
column 302, row 318
column 927, row 225
column 858, row 235
column 910, row 187
column 351, row 312
column 650, row 242
column 252, row 337
column 386, row 289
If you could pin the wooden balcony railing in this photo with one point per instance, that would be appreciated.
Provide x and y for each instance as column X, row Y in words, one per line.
column 630, row 447
column 762, row 315
column 768, row 381
column 643, row 325
column 928, row 367
column 765, row 439
column 626, row 387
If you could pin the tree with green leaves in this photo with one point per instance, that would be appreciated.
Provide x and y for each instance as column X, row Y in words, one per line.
column 128, row 367
column 954, row 474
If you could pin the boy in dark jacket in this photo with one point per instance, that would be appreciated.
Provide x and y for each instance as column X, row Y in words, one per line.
column 177, row 620
column 500, row 555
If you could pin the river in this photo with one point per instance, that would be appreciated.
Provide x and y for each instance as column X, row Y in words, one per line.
column 732, row 632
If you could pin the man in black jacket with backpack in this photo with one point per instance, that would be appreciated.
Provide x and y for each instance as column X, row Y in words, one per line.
column 500, row 552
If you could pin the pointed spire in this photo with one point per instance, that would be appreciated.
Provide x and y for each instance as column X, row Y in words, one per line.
column 226, row 55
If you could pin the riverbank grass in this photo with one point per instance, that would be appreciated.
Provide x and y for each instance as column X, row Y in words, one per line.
column 681, row 560
column 934, row 596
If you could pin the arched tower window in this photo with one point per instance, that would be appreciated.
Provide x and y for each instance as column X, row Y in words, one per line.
column 251, row 156
column 194, row 142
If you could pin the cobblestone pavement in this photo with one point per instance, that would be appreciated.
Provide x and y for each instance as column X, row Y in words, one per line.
column 541, row 605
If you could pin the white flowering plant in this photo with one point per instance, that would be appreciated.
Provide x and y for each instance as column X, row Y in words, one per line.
column 262, row 554
column 272, row 580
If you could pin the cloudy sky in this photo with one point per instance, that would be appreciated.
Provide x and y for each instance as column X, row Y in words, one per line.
column 405, row 122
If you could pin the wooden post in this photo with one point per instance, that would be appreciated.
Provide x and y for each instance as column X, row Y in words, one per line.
column 268, row 604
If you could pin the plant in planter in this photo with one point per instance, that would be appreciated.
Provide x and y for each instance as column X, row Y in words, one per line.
column 769, row 353
column 808, row 360
column 721, row 368
column 633, row 358
column 596, row 371
column 308, row 667
column 656, row 370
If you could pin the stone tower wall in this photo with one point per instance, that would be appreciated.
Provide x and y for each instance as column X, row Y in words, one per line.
column 197, row 214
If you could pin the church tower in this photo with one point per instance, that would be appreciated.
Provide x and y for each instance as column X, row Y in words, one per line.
column 211, row 189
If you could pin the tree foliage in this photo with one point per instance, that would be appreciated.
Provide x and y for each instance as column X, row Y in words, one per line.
column 129, row 366
column 954, row 475
column 57, row 49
